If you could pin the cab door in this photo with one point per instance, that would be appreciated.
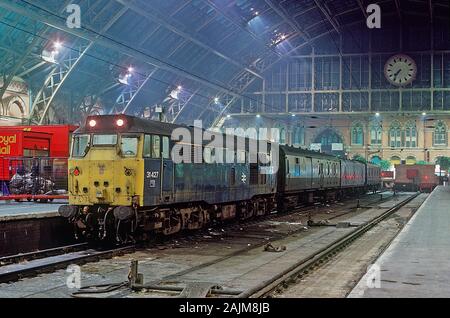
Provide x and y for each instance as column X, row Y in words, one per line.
column 167, row 168
column 152, row 170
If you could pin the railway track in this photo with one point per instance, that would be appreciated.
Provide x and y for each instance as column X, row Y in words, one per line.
column 302, row 267
column 29, row 264
column 26, row 257
column 17, row 271
column 163, row 284
column 363, row 202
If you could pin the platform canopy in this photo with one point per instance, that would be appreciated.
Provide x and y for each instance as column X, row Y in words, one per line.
column 204, row 59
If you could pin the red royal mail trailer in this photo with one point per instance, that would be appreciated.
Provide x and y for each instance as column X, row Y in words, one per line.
column 60, row 137
column 16, row 144
column 38, row 150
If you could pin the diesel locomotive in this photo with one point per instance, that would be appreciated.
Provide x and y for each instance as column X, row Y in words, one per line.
column 124, row 184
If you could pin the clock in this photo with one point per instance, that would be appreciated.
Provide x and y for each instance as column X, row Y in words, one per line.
column 400, row 70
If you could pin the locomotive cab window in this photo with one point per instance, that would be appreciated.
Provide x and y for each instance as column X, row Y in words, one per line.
column 129, row 146
column 104, row 140
column 80, row 145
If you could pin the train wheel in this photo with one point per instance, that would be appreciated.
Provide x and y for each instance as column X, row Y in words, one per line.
column 123, row 232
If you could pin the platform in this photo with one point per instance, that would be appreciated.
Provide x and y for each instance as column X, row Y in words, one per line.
column 416, row 264
column 12, row 210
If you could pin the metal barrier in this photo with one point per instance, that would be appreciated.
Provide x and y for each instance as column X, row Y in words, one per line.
column 33, row 178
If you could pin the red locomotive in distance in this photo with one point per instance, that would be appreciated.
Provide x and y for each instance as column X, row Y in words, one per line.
column 415, row 177
column 22, row 146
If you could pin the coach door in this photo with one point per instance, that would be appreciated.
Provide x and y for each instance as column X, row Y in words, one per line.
column 321, row 174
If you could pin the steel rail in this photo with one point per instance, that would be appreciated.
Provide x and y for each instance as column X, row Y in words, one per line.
column 272, row 283
column 21, row 257
column 19, row 271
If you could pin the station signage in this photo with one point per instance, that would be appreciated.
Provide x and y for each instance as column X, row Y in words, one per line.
column 337, row 147
column 6, row 142
column 315, row 146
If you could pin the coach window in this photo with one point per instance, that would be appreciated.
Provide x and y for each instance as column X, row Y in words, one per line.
column 156, row 146
column 129, row 146
column 207, row 155
column 165, row 147
column 241, row 156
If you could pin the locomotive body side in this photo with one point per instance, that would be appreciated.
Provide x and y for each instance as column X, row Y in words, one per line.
column 126, row 176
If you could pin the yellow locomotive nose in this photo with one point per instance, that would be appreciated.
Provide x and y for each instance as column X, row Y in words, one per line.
column 102, row 177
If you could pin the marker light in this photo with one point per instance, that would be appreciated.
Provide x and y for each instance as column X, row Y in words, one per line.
column 76, row 172
column 120, row 122
column 92, row 123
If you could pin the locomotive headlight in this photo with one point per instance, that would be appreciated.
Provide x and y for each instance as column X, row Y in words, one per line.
column 92, row 123
column 120, row 122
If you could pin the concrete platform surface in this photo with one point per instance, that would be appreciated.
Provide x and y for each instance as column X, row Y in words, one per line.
column 417, row 263
column 25, row 210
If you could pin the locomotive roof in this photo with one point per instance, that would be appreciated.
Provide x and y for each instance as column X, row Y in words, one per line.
column 289, row 150
column 107, row 124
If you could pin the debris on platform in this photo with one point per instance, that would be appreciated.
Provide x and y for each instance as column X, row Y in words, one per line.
column 270, row 248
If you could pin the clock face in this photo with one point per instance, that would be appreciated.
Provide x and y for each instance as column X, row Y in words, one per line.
column 400, row 70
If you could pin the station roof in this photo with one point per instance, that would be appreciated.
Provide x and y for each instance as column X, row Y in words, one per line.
column 132, row 54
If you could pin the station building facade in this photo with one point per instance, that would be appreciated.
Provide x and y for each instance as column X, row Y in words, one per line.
column 399, row 138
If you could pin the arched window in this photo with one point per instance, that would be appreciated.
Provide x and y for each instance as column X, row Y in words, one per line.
column 410, row 135
column 395, row 135
column 328, row 137
column 440, row 134
column 282, row 135
column 357, row 134
column 299, row 136
column 375, row 133
column 410, row 160
column 396, row 160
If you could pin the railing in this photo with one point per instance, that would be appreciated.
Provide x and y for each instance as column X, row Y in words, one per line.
column 33, row 178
